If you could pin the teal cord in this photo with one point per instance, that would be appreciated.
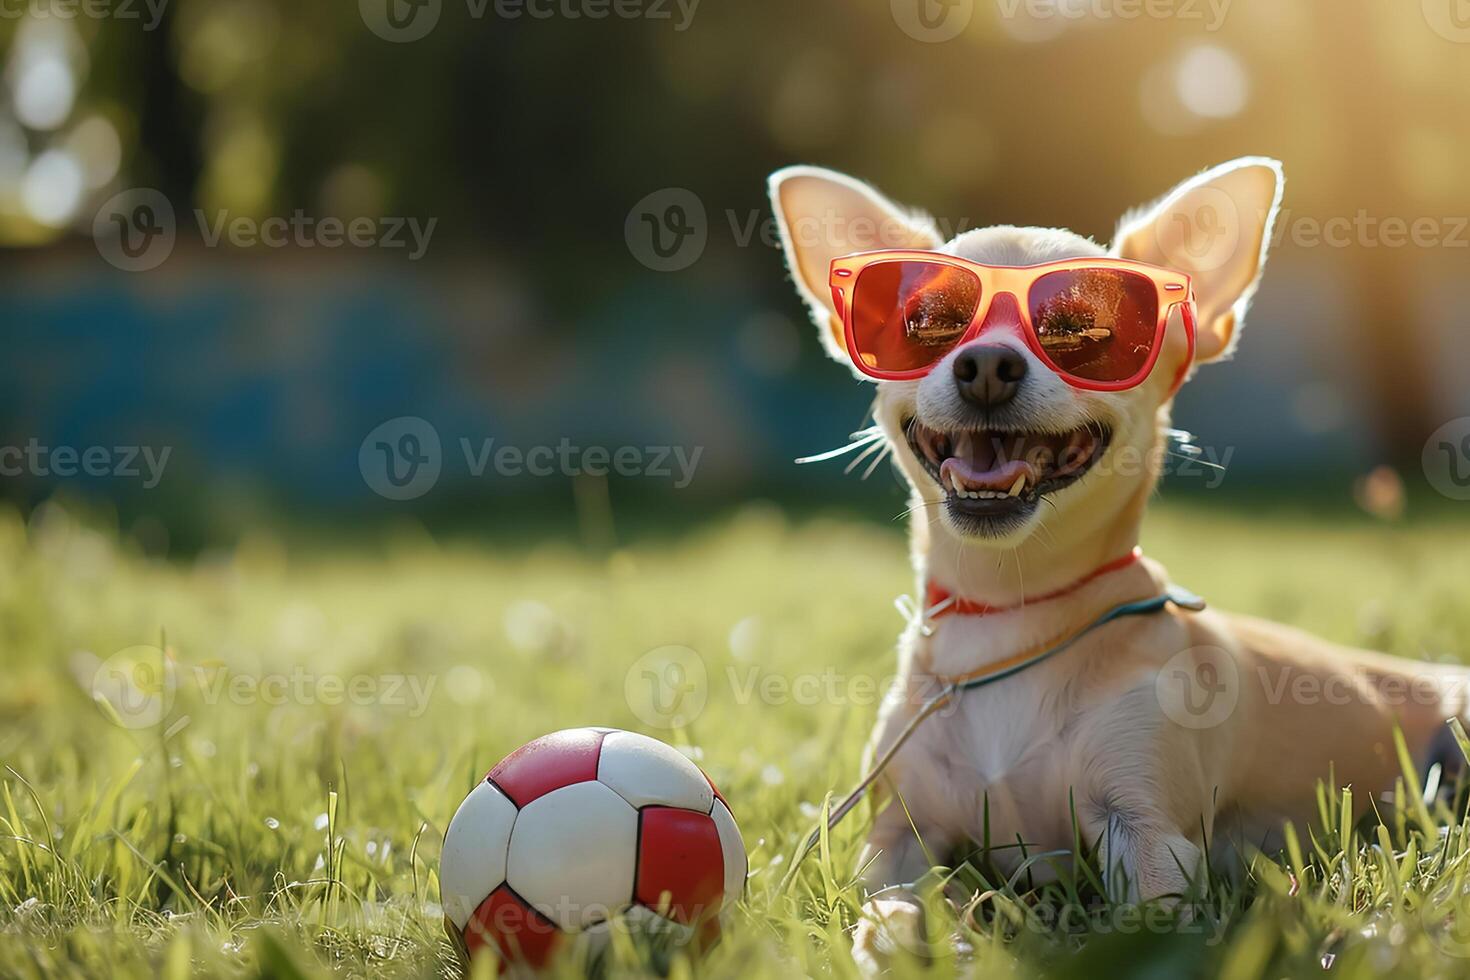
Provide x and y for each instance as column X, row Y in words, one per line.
column 1175, row 595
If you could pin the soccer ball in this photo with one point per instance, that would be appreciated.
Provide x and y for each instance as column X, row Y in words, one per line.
column 579, row 829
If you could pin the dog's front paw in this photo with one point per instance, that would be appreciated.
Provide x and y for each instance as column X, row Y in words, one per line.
column 890, row 927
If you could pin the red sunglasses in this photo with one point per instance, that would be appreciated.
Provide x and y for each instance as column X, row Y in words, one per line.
column 1098, row 323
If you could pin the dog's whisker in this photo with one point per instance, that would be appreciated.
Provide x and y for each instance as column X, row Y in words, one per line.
column 887, row 450
column 860, row 441
column 873, row 446
column 918, row 507
column 1020, row 574
column 1196, row 459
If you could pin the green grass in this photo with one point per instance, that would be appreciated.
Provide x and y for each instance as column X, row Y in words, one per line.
column 243, row 838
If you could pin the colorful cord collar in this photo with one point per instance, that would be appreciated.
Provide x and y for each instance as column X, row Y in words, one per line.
column 939, row 601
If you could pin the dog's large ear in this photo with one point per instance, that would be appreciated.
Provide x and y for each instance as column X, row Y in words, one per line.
column 823, row 214
column 1216, row 227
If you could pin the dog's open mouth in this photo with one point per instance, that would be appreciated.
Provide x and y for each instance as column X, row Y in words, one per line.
column 1004, row 472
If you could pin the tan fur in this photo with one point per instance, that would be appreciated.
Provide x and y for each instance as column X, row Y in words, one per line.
column 1098, row 725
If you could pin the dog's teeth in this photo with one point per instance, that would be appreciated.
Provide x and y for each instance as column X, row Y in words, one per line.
column 1018, row 486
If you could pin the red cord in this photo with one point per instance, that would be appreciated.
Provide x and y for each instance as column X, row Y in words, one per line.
column 971, row 607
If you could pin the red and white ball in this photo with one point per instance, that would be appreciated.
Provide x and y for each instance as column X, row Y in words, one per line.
column 581, row 826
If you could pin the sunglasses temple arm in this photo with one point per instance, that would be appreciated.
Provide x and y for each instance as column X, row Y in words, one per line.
column 1187, row 307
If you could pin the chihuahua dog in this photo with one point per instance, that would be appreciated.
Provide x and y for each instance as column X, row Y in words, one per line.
column 1025, row 379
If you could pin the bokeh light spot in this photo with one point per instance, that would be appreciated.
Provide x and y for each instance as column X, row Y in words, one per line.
column 1212, row 82
column 52, row 189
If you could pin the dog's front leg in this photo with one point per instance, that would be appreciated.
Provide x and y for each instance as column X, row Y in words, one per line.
column 893, row 859
column 1143, row 859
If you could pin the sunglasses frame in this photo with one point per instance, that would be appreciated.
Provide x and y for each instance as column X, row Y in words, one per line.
column 1175, row 289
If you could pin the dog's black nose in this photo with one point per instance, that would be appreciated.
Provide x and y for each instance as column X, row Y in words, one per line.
column 989, row 376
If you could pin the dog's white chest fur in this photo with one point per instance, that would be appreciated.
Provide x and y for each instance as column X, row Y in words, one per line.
column 992, row 767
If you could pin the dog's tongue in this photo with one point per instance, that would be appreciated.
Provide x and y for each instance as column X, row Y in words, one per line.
column 1007, row 465
column 961, row 473
column 980, row 463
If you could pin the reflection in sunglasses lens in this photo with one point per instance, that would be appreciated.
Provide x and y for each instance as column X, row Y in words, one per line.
column 908, row 314
column 1095, row 324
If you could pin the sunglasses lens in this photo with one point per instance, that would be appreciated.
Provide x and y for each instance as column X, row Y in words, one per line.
column 907, row 315
column 1096, row 324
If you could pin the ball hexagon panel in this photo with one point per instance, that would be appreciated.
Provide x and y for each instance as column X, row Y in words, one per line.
column 549, row 763
column 733, row 850
column 573, row 854
column 645, row 771
column 513, row 929
column 681, row 867
column 475, row 850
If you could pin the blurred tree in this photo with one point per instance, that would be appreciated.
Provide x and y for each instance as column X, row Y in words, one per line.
column 1362, row 150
